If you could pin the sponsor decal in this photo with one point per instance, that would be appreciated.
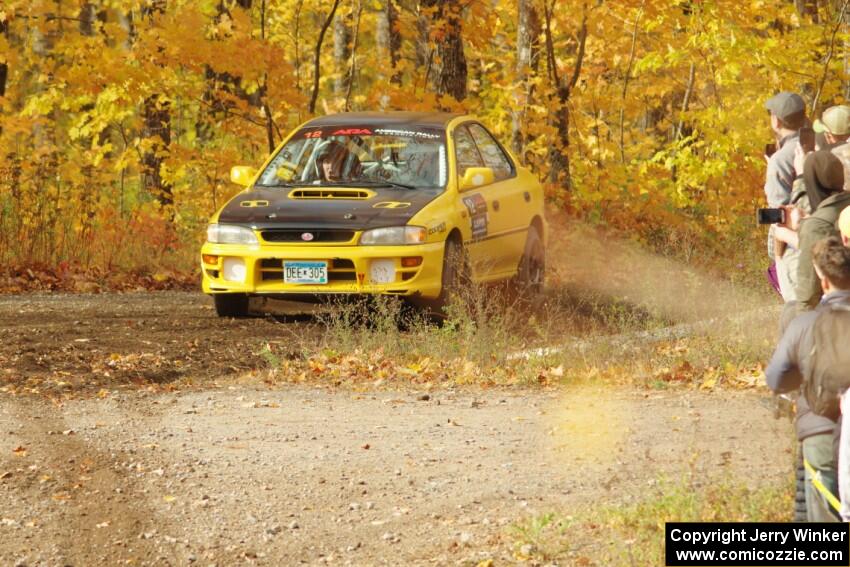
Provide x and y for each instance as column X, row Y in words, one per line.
column 408, row 133
column 353, row 132
column 435, row 229
column 477, row 207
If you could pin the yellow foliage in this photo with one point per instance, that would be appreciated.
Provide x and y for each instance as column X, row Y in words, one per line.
column 665, row 117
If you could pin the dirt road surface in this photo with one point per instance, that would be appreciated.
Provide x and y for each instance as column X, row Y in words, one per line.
column 227, row 474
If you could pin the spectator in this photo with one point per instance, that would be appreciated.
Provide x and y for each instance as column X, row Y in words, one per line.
column 823, row 174
column 790, row 364
column 787, row 116
column 844, row 225
column 834, row 124
column 787, row 240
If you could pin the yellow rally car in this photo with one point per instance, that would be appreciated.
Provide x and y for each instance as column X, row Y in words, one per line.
column 396, row 203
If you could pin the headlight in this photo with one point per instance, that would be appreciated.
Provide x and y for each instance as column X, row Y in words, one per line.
column 394, row 235
column 230, row 234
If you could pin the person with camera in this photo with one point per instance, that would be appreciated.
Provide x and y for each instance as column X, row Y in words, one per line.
column 795, row 361
column 787, row 115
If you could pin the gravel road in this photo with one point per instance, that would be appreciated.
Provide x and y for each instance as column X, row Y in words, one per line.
column 241, row 474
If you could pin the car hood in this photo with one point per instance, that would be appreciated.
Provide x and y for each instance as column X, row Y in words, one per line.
column 353, row 208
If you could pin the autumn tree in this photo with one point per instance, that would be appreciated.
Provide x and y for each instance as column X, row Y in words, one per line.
column 388, row 38
column 121, row 119
column 527, row 66
column 446, row 47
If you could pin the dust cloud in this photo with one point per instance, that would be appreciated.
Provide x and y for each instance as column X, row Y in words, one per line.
column 653, row 286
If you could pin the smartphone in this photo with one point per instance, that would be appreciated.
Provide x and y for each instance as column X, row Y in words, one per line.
column 807, row 139
column 769, row 150
column 770, row 216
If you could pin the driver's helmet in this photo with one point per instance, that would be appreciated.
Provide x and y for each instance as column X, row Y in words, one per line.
column 344, row 163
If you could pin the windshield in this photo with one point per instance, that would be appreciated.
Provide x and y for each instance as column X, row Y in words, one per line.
column 406, row 156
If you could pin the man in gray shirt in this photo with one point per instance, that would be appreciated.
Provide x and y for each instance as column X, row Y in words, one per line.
column 787, row 116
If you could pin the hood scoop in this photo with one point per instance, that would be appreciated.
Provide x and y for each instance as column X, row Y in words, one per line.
column 332, row 193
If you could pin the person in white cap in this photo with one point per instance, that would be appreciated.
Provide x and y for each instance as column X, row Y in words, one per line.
column 834, row 124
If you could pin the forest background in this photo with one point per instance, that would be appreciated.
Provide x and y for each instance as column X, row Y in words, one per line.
column 120, row 119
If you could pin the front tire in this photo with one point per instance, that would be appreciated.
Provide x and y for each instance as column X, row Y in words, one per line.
column 231, row 304
column 532, row 267
column 455, row 274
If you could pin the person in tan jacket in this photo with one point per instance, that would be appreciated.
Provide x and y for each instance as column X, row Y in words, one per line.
column 824, row 177
column 834, row 124
column 844, row 226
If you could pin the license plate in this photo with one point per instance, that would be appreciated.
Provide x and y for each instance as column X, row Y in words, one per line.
column 305, row 272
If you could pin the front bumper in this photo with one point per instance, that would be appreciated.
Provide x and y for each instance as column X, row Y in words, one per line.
column 349, row 269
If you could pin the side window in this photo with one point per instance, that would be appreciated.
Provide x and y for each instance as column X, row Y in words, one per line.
column 493, row 155
column 465, row 151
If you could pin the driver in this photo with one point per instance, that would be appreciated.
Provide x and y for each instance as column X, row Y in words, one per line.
column 335, row 163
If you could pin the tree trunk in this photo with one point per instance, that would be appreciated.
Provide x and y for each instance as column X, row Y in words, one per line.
column 559, row 172
column 808, row 8
column 388, row 39
column 157, row 113
column 218, row 107
column 342, row 53
column 317, row 70
column 4, row 67
column 157, row 128
column 423, row 48
column 450, row 60
column 527, row 58
column 352, row 70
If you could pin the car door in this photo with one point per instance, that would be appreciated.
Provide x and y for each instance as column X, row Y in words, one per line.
column 506, row 217
column 476, row 206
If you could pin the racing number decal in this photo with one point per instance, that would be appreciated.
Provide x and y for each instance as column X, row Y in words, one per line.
column 477, row 207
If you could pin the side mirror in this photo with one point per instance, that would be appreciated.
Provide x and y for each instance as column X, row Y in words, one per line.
column 242, row 175
column 476, row 177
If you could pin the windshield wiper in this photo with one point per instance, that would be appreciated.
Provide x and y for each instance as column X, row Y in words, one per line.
column 386, row 183
column 360, row 183
column 284, row 184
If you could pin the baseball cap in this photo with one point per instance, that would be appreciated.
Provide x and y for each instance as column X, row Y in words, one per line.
column 844, row 222
column 835, row 120
column 785, row 104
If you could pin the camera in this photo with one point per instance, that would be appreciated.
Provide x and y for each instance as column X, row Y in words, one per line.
column 770, row 216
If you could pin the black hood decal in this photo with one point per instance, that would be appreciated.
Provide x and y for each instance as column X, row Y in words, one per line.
column 271, row 207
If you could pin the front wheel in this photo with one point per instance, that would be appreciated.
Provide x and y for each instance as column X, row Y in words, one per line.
column 455, row 273
column 532, row 267
column 231, row 304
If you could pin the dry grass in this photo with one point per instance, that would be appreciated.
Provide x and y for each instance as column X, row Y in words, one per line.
column 612, row 311
column 634, row 535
